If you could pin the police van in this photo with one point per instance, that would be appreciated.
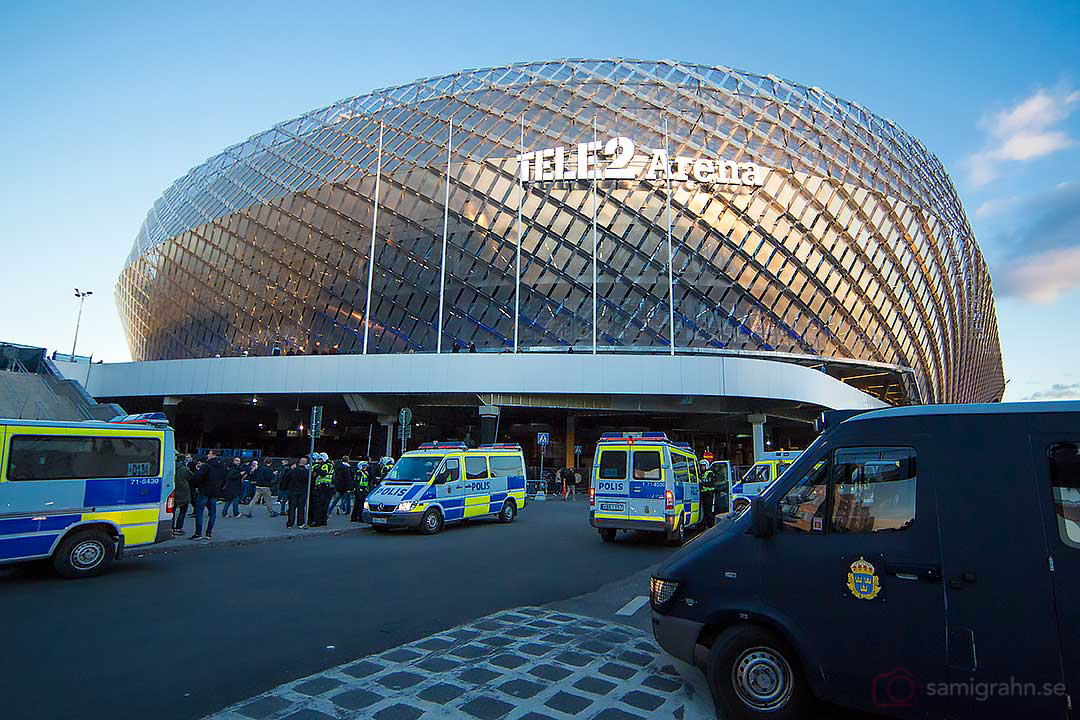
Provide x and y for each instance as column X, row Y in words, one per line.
column 914, row 561
column 761, row 474
column 81, row 493
column 446, row 482
column 644, row 481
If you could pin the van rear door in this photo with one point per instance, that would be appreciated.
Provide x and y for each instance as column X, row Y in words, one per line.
column 1000, row 617
column 611, row 482
column 647, row 483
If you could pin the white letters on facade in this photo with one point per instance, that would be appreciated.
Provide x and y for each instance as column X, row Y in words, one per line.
column 617, row 159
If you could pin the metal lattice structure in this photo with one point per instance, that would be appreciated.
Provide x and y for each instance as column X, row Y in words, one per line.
column 855, row 246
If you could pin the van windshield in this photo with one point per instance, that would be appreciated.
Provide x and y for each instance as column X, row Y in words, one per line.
column 417, row 468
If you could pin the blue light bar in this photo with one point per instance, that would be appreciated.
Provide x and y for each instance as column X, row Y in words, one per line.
column 500, row 446
column 662, row 437
column 443, row 445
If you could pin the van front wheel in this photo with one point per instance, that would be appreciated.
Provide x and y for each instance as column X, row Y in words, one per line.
column 84, row 554
column 607, row 534
column 754, row 675
column 508, row 512
column 431, row 522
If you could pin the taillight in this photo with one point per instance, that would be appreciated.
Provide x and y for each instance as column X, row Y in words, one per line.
column 669, row 500
column 592, row 496
column 170, row 503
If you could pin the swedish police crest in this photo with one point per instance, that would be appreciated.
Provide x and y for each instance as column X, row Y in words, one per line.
column 862, row 580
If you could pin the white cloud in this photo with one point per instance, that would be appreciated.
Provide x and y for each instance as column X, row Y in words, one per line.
column 1025, row 132
column 1042, row 277
column 1057, row 391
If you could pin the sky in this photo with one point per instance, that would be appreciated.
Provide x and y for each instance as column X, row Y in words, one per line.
column 105, row 104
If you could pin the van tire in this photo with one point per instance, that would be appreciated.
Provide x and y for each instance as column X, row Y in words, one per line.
column 675, row 538
column 607, row 534
column 508, row 512
column 84, row 553
column 739, row 505
column 734, row 657
column 431, row 522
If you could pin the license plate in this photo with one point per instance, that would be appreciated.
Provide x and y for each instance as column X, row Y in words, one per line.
column 380, row 521
column 612, row 507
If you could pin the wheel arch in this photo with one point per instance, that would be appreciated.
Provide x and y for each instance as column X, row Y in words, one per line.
column 111, row 529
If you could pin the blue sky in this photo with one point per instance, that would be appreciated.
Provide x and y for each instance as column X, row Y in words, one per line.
column 105, row 104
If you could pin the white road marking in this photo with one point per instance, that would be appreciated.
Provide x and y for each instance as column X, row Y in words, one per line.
column 633, row 606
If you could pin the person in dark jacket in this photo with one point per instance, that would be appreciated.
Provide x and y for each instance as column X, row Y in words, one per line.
column 295, row 483
column 262, row 479
column 343, row 482
column 322, row 489
column 361, row 485
column 181, row 495
column 209, row 487
column 234, row 488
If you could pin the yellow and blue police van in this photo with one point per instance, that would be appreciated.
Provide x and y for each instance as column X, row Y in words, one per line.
column 80, row 493
column 644, row 481
column 446, row 482
column 760, row 476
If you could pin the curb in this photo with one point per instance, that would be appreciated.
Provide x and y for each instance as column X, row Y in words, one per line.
column 188, row 545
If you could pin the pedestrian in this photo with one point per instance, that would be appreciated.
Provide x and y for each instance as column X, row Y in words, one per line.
column 361, row 485
column 183, row 479
column 234, row 487
column 262, row 477
column 322, row 489
column 566, row 477
column 708, row 494
column 343, row 484
column 248, row 491
column 295, row 486
column 209, row 486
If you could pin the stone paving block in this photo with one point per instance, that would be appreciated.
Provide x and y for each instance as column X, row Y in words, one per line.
column 308, row 714
column 465, row 634
column 575, row 658
column 510, row 662
column 470, row 652
column 636, row 658
column 535, row 716
column 661, row 683
column 595, row 685
column 647, row 646
column 616, row 670
column 317, row 685
column 363, row 669
column 669, row 670
column 401, row 711
column 263, row 707
column 616, row 714
column 401, row 655
column 562, row 618
column 558, row 638
column 487, row 708
column 535, row 649
column 534, row 611
column 488, row 625
column 521, row 632
column 355, row 699
column 612, row 636
column 568, row 703
column 600, row 648
column 554, row 673
column 437, row 664
column 478, row 676
column 592, row 623
column 523, row 689
column 399, row 680
column 435, row 644
column 544, row 624
column 643, row 700
column 441, row 693
column 496, row 640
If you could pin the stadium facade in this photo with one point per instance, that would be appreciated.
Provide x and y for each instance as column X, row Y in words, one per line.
column 616, row 206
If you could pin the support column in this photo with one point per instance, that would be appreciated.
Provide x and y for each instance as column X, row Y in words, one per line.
column 489, row 423
column 169, row 406
column 388, row 422
column 571, row 461
column 758, row 423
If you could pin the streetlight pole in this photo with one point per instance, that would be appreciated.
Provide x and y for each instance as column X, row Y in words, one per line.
column 82, row 298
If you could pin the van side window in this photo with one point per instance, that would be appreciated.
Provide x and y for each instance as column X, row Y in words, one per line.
column 646, row 465
column 506, row 466
column 873, row 489
column 451, row 472
column 1065, row 482
column 680, row 466
column 68, row 457
column 476, row 468
column 803, row 508
column 613, row 465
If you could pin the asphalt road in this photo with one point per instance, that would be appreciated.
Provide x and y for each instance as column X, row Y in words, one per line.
column 180, row 635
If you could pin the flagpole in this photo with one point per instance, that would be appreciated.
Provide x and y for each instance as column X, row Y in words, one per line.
column 446, row 225
column 371, row 254
column 670, row 276
column 517, row 265
column 596, row 163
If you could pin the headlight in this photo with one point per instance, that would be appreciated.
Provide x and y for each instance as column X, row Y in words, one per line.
column 405, row 506
column 366, row 506
column 661, row 591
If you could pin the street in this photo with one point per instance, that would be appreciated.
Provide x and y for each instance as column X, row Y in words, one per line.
column 184, row 634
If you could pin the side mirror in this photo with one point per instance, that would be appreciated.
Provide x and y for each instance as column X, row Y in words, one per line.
column 761, row 525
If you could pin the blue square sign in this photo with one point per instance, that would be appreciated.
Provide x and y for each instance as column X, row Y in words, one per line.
column 542, row 438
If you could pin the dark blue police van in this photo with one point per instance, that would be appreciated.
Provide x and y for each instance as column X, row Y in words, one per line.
column 914, row 562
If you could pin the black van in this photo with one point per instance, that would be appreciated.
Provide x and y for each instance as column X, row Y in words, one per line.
column 915, row 562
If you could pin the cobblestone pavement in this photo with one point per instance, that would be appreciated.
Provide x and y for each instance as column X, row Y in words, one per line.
column 528, row 664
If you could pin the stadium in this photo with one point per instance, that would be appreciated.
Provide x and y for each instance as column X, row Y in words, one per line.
column 715, row 220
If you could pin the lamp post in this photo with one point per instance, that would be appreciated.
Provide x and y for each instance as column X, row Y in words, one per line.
column 82, row 298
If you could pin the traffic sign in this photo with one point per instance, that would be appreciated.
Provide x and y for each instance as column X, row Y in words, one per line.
column 577, row 449
column 316, row 421
column 707, row 456
column 405, row 423
column 543, row 439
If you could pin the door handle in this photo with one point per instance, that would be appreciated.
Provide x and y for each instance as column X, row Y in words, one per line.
column 913, row 570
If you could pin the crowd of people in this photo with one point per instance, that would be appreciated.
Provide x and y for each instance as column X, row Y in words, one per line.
column 307, row 489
